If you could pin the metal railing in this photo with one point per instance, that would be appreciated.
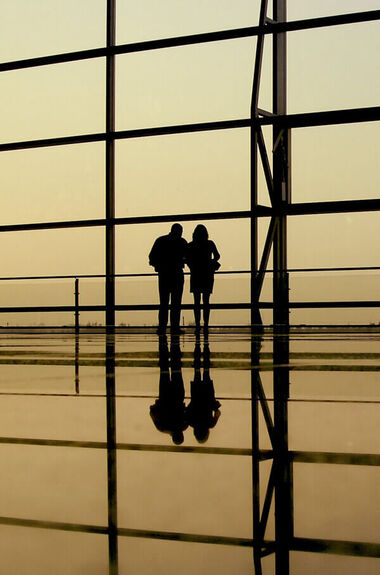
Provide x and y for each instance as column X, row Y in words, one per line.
column 77, row 308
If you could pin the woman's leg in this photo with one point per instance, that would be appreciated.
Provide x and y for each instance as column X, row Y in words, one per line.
column 206, row 309
column 197, row 309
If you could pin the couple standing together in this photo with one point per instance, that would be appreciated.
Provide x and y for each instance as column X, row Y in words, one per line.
column 168, row 256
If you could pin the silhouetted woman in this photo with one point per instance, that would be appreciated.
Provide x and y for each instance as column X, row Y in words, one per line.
column 202, row 258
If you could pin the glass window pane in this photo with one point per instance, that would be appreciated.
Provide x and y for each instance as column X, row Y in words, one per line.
column 52, row 101
column 139, row 20
column 52, row 184
column 337, row 502
column 184, row 85
column 228, row 488
column 335, row 162
column 334, row 240
column 50, row 292
column 45, row 497
column 22, row 549
column 206, row 172
column 31, row 29
column 333, row 68
column 138, row 556
column 52, row 252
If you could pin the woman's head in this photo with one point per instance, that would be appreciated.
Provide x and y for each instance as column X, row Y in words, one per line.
column 201, row 433
column 200, row 234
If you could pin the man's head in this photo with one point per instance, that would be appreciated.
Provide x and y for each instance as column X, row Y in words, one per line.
column 176, row 230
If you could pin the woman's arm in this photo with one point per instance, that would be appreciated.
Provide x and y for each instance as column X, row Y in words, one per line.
column 214, row 252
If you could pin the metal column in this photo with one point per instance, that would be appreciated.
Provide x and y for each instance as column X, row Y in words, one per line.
column 254, row 142
column 283, row 481
column 110, row 289
column 110, row 166
column 111, row 455
column 281, row 189
column 281, row 175
column 255, row 295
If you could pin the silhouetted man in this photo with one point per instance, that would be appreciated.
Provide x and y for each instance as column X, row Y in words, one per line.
column 167, row 256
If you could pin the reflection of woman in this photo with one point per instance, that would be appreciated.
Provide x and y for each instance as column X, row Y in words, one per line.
column 202, row 259
column 203, row 410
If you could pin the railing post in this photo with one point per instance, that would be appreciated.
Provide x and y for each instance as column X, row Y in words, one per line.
column 76, row 293
column 76, row 313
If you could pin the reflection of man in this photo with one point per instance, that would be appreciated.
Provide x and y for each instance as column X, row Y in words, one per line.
column 167, row 256
column 203, row 410
column 168, row 411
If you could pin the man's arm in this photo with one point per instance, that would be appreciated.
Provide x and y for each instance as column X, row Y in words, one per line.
column 153, row 260
column 184, row 251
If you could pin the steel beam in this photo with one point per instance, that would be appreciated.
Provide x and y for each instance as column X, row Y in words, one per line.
column 328, row 118
column 110, row 291
column 344, row 206
column 258, row 534
column 261, row 211
column 304, row 120
column 266, row 165
column 281, row 174
column 111, row 454
column 271, row 27
column 282, row 198
column 110, row 167
column 258, row 60
column 354, row 548
column 283, row 482
column 337, row 207
column 255, row 312
column 265, row 258
column 367, row 459
column 267, row 501
column 266, row 413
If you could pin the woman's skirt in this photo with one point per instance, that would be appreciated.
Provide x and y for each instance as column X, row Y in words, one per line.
column 201, row 281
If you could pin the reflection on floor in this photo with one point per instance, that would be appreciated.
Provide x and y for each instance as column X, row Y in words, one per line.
column 138, row 454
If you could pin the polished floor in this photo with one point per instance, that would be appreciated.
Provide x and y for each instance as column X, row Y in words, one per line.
column 139, row 454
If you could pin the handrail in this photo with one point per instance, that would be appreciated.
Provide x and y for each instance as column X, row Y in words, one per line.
column 77, row 308
column 154, row 274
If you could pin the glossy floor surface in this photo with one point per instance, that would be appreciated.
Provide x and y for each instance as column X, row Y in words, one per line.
column 145, row 455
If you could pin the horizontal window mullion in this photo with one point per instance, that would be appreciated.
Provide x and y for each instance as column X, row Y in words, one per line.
column 269, row 28
column 304, row 120
column 260, row 211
